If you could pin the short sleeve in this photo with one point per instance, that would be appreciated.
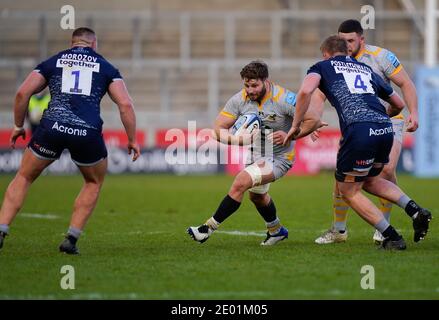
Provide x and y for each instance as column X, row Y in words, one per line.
column 389, row 63
column 114, row 74
column 44, row 68
column 290, row 102
column 315, row 69
column 231, row 109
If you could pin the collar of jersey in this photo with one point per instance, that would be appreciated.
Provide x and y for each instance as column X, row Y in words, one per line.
column 83, row 47
column 341, row 57
column 360, row 53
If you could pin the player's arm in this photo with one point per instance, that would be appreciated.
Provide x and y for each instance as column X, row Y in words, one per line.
column 34, row 83
column 312, row 118
column 119, row 94
column 396, row 104
column 309, row 85
column 221, row 131
column 403, row 81
column 386, row 92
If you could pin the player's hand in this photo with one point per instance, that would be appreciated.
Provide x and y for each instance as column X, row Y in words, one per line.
column 277, row 137
column 412, row 122
column 292, row 134
column 134, row 148
column 315, row 135
column 14, row 136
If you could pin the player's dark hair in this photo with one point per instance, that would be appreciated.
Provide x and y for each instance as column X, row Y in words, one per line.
column 334, row 44
column 83, row 31
column 350, row 25
column 255, row 70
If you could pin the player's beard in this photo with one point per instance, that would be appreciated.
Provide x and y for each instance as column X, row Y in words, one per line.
column 356, row 51
column 261, row 95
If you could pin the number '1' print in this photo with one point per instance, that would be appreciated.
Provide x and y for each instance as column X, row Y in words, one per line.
column 76, row 89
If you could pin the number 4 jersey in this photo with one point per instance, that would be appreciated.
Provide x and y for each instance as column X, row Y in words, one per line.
column 353, row 89
column 78, row 78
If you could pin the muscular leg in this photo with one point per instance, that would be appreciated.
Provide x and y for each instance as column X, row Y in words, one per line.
column 389, row 173
column 232, row 201
column 84, row 204
column 383, row 188
column 391, row 192
column 351, row 192
column 340, row 210
column 340, row 207
column 260, row 200
column 266, row 208
column 367, row 210
column 87, row 198
column 30, row 169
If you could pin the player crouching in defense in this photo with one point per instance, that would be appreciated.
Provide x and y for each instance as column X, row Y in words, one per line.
column 367, row 136
column 268, row 160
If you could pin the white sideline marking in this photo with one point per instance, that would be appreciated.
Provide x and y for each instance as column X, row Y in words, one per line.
column 38, row 215
column 243, row 233
column 211, row 294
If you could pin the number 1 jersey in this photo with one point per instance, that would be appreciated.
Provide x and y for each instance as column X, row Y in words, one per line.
column 353, row 90
column 78, row 78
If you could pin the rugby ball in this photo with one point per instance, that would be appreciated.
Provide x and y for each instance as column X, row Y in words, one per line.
column 247, row 123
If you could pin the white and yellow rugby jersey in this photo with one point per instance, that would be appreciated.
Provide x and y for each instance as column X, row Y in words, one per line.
column 383, row 62
column 276, row 111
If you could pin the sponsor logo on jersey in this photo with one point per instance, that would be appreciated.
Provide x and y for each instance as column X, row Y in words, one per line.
column 393, row 59
column 380, row 132
column 350, row 67
column 291, row 98
column 366, row 162
column 69, row 130
column 270, row 117
column 77, row 63
column 44, row 150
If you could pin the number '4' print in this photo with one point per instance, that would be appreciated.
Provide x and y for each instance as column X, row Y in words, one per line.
column 359, row 83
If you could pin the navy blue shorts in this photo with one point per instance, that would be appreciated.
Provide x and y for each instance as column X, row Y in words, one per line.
column 86, row 145
column 363, row 148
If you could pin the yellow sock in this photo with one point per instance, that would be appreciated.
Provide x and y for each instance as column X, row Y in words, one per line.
column 274, row 227
column 385, row 207
column 340, row 210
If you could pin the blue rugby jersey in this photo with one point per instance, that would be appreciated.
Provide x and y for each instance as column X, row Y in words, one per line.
column 78, row 78
column 353, row 89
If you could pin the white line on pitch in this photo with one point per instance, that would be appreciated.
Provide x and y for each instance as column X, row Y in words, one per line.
column 38, row 215
column 243, row 233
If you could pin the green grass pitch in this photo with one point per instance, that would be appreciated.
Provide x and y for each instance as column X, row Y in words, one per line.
column 136, row 247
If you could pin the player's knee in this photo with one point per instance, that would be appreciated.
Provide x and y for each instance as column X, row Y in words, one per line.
column 239, row 186
column 348, row 192
column 28, row 176
column 260, row 200
column 369, row 183
column 94, row 181
column 348, row 197
column 389, row 172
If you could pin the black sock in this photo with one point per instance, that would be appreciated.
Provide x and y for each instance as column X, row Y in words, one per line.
column 226, row 208
column 412, row 208
column 391, row 233
column 268, row 212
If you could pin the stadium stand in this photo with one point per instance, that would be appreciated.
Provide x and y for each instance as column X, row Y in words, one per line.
column 182, row 58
